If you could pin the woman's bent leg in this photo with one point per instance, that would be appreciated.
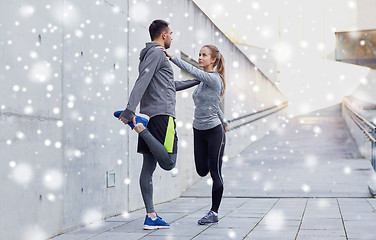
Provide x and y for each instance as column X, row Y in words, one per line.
column 201, row 152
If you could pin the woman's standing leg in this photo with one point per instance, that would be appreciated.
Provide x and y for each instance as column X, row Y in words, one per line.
column 209, row 147
column 215, row 154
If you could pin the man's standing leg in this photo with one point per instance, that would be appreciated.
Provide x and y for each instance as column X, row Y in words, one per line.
column 152, row 220
column 146, row 181
column 158, row 144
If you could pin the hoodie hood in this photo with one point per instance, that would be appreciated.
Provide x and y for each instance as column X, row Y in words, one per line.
column 147, row 48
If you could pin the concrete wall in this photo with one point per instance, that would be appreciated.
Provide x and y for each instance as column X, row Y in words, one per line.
column 363, row 101
column 68, row 65
column 366, row 19
column 58, row 138
column 364, row 109
column 264, row 59
column 355, row 132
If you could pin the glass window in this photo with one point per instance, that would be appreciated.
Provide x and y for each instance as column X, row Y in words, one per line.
column 358, row 47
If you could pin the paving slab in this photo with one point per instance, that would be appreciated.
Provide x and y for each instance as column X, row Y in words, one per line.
column 117, row 236
column 304, row 181
column 68, row 236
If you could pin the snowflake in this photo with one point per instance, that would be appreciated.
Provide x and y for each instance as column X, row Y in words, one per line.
column 275, row 220
column 53, row 179
column 91, row 216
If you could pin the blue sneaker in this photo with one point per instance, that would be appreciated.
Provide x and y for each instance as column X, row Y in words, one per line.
column 157, row 223
column 140, row 118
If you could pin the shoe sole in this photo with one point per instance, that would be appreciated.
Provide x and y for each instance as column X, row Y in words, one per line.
column 147, row 227
column 117, row 115
column 144, row 116
column 207, row 223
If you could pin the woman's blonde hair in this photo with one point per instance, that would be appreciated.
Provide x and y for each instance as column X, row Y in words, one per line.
column 219, row 64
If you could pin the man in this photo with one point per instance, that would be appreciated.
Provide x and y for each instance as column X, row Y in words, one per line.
column 155, row 90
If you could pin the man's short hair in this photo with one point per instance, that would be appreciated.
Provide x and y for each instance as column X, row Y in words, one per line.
column 156, row 28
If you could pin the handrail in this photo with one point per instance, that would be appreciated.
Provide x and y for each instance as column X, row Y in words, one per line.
column 360, row 125
column 364, row 130
column 285, row 104
column 360, row 117
column 258, row 112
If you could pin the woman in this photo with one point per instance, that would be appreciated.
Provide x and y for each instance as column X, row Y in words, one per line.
column 209, row 125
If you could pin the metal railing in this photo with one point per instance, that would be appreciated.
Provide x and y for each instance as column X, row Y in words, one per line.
column 368, row 128
column 257, row 115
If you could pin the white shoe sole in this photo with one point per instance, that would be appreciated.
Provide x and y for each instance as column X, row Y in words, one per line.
column 147, row 227
column 207, row 223
column 144, row 116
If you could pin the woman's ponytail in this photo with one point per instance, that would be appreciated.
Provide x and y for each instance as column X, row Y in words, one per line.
column 220, row 68
column 219, row 65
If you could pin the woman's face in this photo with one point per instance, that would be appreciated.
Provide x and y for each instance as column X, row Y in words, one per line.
column 204, row 58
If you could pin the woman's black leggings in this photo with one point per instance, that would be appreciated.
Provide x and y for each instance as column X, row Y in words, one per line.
column 208, row 148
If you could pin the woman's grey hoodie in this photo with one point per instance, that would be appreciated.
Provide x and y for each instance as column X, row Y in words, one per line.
column 206, row 96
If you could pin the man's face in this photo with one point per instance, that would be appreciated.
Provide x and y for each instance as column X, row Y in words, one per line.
column 167, row 38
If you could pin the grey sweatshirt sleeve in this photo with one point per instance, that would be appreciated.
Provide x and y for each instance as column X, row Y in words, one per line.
column 222, row 117
column 147, row 69
column 182, row 85
column 208, row 78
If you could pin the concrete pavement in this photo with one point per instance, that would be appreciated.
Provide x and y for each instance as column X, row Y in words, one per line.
column 304, row 181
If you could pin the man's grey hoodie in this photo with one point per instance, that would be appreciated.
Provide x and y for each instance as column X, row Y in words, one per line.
column 154, row 88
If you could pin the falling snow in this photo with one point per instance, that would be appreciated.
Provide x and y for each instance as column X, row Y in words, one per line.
column 69, row 72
